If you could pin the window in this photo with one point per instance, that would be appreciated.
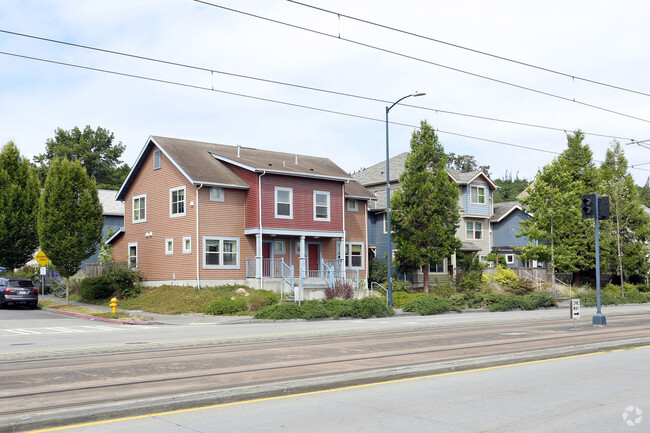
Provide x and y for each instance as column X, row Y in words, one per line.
column 321, row 206
column 216, row 194
column 169, row 246
column 438, row 267
column 278, row 247
column 140, row 208
column 283, row 202
column 220, row 253
column 187, row 244
column 353, row 205
column 157, row 159
column 474, row 230
column 510, row 259
column 133, row 255
column 354, row 255
column 385, row 222
column 177, row 202
column 477, row 194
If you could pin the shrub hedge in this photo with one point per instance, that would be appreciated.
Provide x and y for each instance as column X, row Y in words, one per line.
column 631, row 297
column 433, row 304
column 336, row 308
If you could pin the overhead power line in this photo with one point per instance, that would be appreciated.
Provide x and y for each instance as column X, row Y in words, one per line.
column 473, row 50
column 275, row 101
column 299, row 86
column 421, row 60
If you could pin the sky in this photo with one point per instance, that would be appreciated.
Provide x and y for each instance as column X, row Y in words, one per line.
column 559, row 65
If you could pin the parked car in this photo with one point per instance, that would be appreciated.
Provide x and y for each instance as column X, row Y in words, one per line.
column 18, row 291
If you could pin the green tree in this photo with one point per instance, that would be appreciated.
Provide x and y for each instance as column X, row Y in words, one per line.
column 557, row 232
column 425, row 208
column 19, row 190
column 509, row 188
column 629, row 224
column 93, row 148
column 69, row 217
column 466, row 164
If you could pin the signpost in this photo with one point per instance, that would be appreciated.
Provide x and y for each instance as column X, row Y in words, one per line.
column 42, row 260
column 575, row 311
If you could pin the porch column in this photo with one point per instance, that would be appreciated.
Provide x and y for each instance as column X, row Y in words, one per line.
column 258, row 255
column 303, row 258
column 342, row 256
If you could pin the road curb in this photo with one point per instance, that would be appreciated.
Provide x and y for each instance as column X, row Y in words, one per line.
column 101, row 319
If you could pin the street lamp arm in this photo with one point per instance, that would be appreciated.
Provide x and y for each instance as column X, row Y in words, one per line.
column 403, row 98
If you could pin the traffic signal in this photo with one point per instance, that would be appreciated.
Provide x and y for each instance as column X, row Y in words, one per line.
column 603, row 208
column 588, row 206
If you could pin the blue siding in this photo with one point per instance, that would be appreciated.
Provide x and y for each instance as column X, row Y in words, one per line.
column 110, row 222
column 476, row 209
column 504, row 231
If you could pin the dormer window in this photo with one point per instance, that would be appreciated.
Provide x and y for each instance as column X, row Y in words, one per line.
column 157, row 159
column 477, row 195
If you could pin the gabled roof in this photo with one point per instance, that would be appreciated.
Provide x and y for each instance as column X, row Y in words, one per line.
column 376, row 174
column 354, row 190
column 503, row 209
column 207, row 163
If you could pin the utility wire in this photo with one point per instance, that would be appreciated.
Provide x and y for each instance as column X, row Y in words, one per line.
column 212, row 89
column 304, row 87
column 473, row 50
column 418, row 59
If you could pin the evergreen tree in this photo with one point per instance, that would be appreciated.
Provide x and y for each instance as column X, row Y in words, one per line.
column 627, row 250
column 94, row 149
column 69, row 217
column 556, row 229
column 19, row 191
column 425, row 211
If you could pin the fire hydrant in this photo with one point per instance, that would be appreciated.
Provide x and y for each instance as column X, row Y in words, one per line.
column 113, row 304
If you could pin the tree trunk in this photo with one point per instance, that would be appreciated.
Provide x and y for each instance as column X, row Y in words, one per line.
column 425, row 278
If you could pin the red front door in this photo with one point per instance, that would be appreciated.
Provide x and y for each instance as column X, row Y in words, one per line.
column 266, row 254
column 313, row 256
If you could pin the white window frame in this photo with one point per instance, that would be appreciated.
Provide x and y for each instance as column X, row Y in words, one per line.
column 217, row 193
column 173, row 214
column 139, row 198
column 327, row 205
column 220, row 241
column 349, row 256
column 510, row 259
column 473, row 231
column 478, row 196
column 187, row 244
column 385, row 222
column 169, row 246
column 352, row 204
column 157, row 159
column 279, row 246
column 132, row 260
column 277, row 202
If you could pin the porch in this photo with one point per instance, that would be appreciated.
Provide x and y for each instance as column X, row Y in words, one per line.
column 293, row 282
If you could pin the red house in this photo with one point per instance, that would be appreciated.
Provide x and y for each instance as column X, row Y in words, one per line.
column 209, row 214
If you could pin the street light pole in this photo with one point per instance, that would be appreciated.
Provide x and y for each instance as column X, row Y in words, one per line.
column 390, row 246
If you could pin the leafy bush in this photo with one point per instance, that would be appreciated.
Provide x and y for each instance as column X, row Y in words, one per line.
column 471, row 281
column 262, row 298
column 444, row 289
column 362, row 308
column 95, row 288
column 227, row 306
column 506, row 277
column 378, row 272
column 542, row 300
column 401, row 298
column 401, row 286
column 431, row 304
column 500, row 302
column 124, row 281
column 631, row 297
column 342, row 290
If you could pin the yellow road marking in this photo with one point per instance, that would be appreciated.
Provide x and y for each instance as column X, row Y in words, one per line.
column 302, row 394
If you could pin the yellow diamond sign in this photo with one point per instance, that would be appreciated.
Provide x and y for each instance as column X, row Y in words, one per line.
column 41, row 258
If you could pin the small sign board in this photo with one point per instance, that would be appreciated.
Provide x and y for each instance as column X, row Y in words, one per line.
column 575, row 308
column 41, row 258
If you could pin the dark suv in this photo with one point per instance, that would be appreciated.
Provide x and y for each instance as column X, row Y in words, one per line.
column 18, row 291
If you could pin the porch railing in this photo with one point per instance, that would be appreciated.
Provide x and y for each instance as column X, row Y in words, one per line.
column 329, row 271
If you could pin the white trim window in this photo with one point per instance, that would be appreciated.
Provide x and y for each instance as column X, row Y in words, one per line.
column 477, row 195
column 510, row 259
column 132, row 255
column 474, row 230
column 177, row 202
column 321, row 206
column 353, row 205
column 354, row 255
column 216, row 194
column 437, row 267
column 169, row 246
column 220, row 253
column 157, row 159
column 283, row 202
column 187, row 244
column 139, row 208
column 385, row 222
column 278, row 246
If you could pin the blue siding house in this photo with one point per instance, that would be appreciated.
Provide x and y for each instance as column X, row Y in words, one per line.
column 113, row 213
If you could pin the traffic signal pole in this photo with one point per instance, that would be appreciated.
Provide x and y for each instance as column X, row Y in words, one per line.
column 599, row 318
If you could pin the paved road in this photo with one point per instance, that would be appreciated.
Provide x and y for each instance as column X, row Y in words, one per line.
column 604, row 392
